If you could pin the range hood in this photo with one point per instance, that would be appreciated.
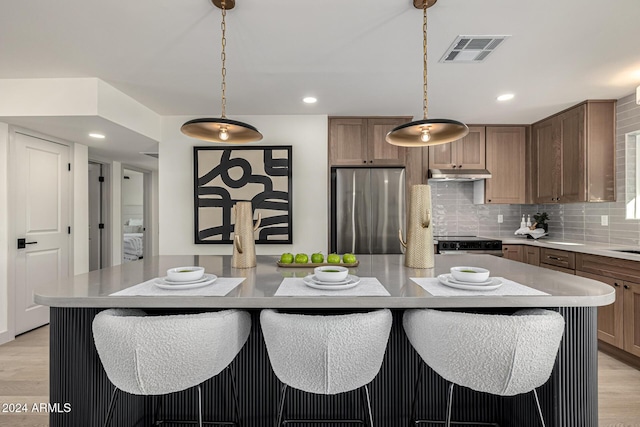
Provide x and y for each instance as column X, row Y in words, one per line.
column 438, row 175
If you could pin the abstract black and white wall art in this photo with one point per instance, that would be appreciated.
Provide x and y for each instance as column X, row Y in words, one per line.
column 224, row 176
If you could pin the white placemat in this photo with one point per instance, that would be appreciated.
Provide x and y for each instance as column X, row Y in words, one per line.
column 509, row 287
column 295, row 287
column 219, row 288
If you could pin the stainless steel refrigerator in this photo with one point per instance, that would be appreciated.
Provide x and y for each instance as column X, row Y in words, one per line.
column 368, row 208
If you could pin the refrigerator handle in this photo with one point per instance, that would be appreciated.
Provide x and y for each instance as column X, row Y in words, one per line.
column 353, row 213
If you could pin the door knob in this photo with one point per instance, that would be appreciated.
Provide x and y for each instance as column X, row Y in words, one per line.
column 22, row 243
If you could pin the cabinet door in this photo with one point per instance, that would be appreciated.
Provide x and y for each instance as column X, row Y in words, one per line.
column 545, row 165
column 531, row 255
column 512, row 252
column 571, row 128
column 467, row 152
column 610, row 319
column 471, row 149
column 347, row 141
column 631, row 316
column 380, row 152
column 505, row 154
column 442, row 156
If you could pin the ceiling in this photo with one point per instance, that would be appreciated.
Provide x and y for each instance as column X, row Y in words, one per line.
column 358, row 57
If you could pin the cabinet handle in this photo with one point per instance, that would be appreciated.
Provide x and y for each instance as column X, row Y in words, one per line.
column 489, row 200
column 370, row 161
column 616, row 285
column 364, row 161
column 554, row 257
column 454, row 166
column 460, row 166
column 626, row 286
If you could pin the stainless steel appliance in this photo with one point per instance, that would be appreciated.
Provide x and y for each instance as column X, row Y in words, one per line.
column 457, row 245
column 368, row 209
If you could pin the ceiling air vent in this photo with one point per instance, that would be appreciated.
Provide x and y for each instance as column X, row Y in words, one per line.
column 150, row 154
column 472, row 48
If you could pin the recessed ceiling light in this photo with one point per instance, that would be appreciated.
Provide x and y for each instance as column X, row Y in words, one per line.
column 309, row 100
column 96, row 135
column 506, row 97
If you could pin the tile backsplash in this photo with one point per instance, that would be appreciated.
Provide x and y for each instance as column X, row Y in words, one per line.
column 455, row 214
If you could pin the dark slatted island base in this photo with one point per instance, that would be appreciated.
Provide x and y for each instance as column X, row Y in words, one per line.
column 568, row 399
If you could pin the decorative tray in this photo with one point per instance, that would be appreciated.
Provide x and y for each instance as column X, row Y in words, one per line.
column 317, row 264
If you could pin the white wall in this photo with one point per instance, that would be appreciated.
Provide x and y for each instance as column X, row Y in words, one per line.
column 80, row 209
column 307, row 135
column 5, row 335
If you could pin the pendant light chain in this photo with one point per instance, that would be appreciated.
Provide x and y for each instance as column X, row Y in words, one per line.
column 424, row 49
column 223, row 56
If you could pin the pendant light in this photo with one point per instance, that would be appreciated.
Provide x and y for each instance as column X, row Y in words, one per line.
column 426, row 131
column 222, row 129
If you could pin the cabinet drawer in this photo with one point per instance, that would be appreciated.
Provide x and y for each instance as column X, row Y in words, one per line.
column 556, row 268
column 558, row 258
column 623, row 269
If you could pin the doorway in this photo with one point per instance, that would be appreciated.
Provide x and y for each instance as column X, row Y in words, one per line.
column 133, row 215
column 99, row 225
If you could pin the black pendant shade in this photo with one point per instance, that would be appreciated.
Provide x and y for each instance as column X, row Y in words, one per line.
column 211, row 129
column 440, row 131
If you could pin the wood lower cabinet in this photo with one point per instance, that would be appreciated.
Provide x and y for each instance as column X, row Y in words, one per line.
column 531, row 255
column 505, row 159
column 512, row 252
column 557, row 258
column 610, row 317
column 631, row 316
column 359, row 141
column 620, row 321
column 465, row 153
column 573, row 155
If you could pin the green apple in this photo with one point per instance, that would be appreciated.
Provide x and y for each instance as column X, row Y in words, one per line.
column 302, row 258
column 317, row 258
column 333, row 259
column 348, row 258
column 286, row 258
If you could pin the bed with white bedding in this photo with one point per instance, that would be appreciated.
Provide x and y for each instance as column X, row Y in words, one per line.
column 133, row 246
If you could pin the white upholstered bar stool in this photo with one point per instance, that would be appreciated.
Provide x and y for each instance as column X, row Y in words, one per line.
column 326, row 354
column 156, row 355
column 502, row 355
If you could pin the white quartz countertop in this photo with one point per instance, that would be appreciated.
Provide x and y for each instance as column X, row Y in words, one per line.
column 257, row 290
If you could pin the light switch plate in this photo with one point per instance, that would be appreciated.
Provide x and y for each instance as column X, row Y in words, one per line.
column 604, row 220
column 500, row 219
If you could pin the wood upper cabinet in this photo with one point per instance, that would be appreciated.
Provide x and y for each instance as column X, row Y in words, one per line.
column 505, row 155
column 357, row 141
column 466, row 153
column 573, row 155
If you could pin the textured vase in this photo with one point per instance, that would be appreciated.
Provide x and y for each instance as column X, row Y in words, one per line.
column 419, row 244
column 244, row 245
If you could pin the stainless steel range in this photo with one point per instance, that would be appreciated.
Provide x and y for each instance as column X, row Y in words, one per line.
column 457, row 245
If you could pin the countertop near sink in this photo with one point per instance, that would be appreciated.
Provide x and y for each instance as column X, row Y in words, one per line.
column 593, row 248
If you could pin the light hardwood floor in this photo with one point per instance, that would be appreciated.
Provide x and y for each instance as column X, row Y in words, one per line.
column 24, row 378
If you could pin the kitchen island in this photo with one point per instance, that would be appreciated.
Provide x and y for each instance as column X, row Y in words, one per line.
column 77, row 377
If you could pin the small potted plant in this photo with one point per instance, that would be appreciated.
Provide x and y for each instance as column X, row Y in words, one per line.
column 540, row 221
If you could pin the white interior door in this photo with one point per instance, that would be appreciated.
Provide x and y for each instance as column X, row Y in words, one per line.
column 41, row 212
